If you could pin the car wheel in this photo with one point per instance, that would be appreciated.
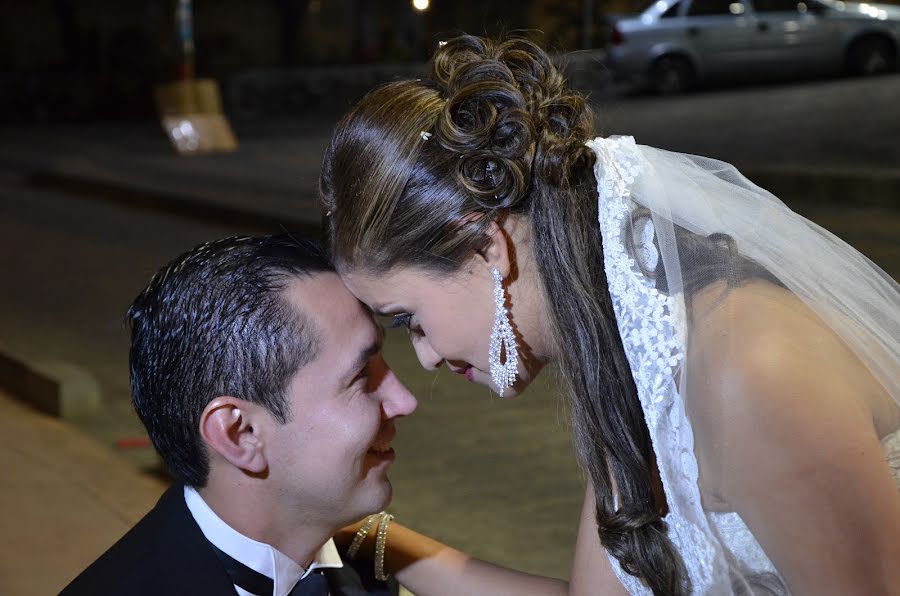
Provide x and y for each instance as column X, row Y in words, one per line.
column 671, row 75
column 871, row 56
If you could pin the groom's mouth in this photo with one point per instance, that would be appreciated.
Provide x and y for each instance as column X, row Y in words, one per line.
column 381, row 448
column 385, row 455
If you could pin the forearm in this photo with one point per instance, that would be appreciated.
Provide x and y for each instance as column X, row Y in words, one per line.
column 429, row 568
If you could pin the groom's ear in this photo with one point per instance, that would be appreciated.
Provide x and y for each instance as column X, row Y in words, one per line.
column 226, row 426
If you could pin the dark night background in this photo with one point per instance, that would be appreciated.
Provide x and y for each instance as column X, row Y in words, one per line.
column 94, row 199
column 70, row 60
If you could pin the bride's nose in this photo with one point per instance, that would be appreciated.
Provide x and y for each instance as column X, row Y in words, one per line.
column 428, row 358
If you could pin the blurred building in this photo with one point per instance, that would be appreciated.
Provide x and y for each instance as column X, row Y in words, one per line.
column 88, row 59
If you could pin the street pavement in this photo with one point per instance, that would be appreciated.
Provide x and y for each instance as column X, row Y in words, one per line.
column 88, row 213
column 819, row 130
column 64, row 499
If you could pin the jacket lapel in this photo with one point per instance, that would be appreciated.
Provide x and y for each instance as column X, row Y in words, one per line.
column 187, row 563
column 186, row 559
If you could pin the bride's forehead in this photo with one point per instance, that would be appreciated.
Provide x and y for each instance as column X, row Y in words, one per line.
column 374, row 285
column 389, row 294
column 366, row 287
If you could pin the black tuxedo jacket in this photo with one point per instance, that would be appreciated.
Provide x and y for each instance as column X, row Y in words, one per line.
column 166, row 553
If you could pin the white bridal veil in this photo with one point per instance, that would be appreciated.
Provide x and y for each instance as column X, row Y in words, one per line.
column 650, row 200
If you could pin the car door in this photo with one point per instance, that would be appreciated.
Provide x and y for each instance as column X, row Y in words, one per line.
column 793, row 33
column 718, row 33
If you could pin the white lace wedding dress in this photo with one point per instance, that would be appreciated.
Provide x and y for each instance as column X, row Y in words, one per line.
column 705, row 196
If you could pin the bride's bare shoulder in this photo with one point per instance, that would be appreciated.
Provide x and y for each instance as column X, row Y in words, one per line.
column 785, row 421
column 761, row 333
column 764, row 369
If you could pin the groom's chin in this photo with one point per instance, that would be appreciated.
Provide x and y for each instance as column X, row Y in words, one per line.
column 388, row 495
column 378, row 496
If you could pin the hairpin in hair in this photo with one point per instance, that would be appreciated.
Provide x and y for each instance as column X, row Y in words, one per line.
column 442, row 44
column 425, row 135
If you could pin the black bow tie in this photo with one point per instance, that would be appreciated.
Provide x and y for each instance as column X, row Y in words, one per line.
column 314, row 584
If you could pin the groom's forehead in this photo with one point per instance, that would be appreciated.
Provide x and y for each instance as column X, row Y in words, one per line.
column 343, row 325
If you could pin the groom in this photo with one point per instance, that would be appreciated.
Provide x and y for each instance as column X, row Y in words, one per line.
column 260, row 381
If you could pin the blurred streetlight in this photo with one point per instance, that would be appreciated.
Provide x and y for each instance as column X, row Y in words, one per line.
column 420, row 5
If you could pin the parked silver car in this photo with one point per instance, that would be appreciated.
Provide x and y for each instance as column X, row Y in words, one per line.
column 675, row 43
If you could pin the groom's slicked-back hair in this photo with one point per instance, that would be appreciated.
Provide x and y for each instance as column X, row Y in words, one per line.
column 214, row 322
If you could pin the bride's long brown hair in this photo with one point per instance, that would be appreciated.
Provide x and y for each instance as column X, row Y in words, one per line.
column 496, row 130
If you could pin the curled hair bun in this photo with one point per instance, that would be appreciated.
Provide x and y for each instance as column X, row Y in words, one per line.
column 511, row 117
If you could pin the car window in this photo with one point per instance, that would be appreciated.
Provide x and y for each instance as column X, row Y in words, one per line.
column 779, row 6
column 672, row 11
column 715, row 7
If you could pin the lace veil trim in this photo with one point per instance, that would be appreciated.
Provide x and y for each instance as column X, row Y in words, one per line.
column 652, row 326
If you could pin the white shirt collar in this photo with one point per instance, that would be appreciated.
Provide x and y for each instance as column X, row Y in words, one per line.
column 265, row 559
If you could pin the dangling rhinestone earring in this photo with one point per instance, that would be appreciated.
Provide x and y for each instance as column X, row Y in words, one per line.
column 502, row 340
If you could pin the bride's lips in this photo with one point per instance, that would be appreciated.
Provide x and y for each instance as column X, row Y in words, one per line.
column 465, row 371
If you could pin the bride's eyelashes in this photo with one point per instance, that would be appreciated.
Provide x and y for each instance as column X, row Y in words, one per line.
column 401, row 320
column 406, row 320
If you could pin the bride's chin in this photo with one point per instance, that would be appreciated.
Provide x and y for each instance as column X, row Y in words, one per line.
column 515, row 391
column 484, row 378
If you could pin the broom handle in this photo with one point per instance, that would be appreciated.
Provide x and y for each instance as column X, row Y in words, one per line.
column 184, row 24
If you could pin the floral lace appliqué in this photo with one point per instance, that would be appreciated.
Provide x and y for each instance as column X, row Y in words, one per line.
column 652, row 328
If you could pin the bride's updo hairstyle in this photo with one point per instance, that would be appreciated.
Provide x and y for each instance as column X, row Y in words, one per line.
column 415, row 173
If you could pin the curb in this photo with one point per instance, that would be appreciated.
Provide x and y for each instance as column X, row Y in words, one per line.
column 53, row 387
column 860, row 188
column 186, row 206
column 29, row 386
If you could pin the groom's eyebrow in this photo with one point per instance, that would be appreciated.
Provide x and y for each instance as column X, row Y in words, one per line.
column 365, row 354
column 386, row 310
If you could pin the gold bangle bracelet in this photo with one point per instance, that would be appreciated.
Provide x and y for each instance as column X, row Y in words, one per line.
column 380, row 543
column 361, row 534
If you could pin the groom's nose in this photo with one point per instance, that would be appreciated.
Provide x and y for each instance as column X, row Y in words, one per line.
column 396, row 399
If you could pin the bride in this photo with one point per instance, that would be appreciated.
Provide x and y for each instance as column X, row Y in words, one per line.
column 732, row 370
